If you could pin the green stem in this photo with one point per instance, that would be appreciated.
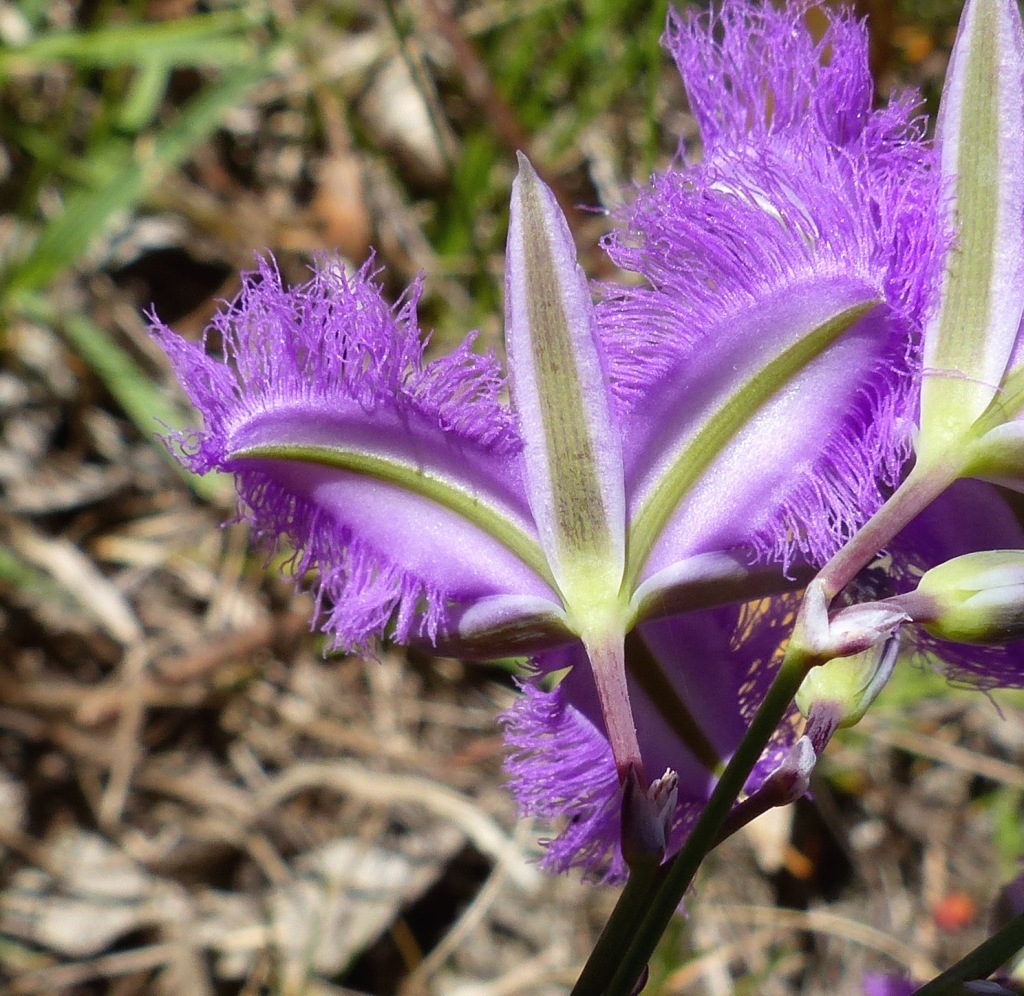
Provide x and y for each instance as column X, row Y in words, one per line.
column 629, row 947
column 981, row 962
column 646, row 907
column 630, row 908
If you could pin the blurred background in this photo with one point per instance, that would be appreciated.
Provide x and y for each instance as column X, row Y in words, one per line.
column 193, row 798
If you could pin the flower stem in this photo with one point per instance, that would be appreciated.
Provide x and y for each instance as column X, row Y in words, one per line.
column 608, row 664
column 630, row 908
column 642, row 914
column 920, row 488
column 649, row 901
column 981, row 962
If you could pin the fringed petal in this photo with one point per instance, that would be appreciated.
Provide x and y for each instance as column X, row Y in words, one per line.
column 753, row 71
column 721, row 239
column 560, row 767
column 346, row 442
column 331, row 339
column 781, row 212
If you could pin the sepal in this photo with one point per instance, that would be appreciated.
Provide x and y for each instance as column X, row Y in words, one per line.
column 849, row 684
column 571, row 443
column 648, row 814
column 998, row 456
column 505, row 626
column 971, row 338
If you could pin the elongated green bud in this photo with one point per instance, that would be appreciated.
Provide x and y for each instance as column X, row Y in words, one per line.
column 980, row 134
column 977, row 598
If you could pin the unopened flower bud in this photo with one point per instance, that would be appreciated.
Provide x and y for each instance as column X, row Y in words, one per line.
column 647, row 816
column 849, row 684
column 977, row 598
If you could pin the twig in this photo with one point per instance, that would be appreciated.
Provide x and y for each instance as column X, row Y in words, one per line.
column 684, row 976
column 126, row 736
column 52, row 980
column 524, row 979
column 824, row 922
column 470, row 919
column 382, row 787
column 938, row 750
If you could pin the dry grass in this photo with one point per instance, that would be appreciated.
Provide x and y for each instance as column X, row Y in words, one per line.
column 192, row 799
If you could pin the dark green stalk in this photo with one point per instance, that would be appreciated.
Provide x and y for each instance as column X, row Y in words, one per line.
column 629, row 909
column 628, row 947
column 981, row 962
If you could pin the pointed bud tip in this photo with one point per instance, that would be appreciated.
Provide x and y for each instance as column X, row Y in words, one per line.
column 525, row 166
column 792, row 778
column 647, row 816
column 973, row 333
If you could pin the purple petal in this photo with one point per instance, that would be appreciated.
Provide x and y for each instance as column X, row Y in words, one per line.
column 328, row 414
column 889, row 985
column 808, row 204
column 968, row 517
column 748, row 261
column 561, row 765
column 754, row 70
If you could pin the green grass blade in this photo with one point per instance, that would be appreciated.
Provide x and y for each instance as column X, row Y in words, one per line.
column 218, row 39
column 88, row 211
column 25, row 577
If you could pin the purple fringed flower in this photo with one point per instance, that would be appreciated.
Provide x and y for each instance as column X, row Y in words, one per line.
column 808, row 205
column 686, row 447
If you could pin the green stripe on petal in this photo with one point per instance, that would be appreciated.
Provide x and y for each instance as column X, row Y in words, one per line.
column 414, row 481
column 737, row 406
column 571, row 446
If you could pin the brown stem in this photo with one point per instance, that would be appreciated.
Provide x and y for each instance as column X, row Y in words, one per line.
column 608, row 664
column 922, row 486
